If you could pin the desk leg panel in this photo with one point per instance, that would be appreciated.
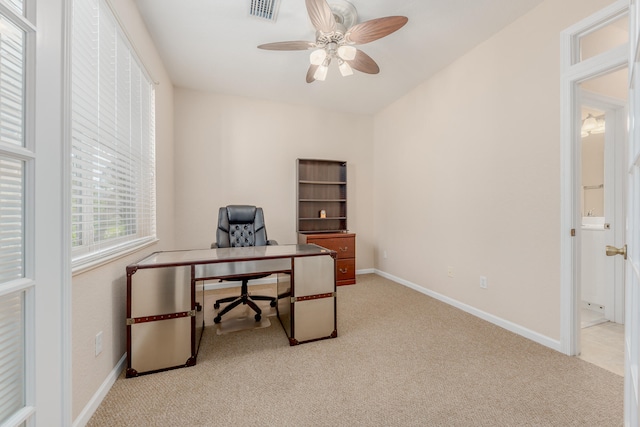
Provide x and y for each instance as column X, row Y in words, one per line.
column 160, row 290
column 162, row 319
column 160, row 345
column 308, row 313
column 314, row 320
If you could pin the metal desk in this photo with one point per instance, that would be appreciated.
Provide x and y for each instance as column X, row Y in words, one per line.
column 165, row 294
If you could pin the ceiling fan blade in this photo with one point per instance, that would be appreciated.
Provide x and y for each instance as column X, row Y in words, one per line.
column 295, row 45
column 321, row 15
column 311, row 72
column 375, row 29
column 363, row 62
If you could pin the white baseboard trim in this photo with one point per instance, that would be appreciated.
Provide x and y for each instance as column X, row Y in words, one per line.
column 505, row 324
column 213, row 285
column 99, row 396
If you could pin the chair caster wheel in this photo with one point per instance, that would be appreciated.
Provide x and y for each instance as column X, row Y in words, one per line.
column 217, row 319
column 273, row 303
column 216, row 306
column 257, row 317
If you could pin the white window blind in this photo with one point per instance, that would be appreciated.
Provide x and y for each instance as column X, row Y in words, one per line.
column 16, row 159
column 11, row 83
column 113, row 138
column 12, row 369
column 11, row 219
column 17, row 5
column 12, row 70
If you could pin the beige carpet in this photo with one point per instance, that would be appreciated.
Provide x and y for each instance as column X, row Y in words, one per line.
column 400, row 359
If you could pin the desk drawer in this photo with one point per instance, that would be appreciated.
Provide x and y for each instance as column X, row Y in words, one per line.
column 346, row 271
column 345, row 247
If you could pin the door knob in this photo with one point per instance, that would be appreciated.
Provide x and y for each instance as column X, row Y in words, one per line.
column 612, row 250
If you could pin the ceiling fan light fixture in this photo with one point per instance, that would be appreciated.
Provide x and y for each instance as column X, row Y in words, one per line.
column 348, row 53
column 318, row 56
column 345, row 69
column 321, row 72
column 336, row 31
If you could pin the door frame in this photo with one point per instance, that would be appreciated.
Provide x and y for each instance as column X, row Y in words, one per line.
column 570, row 204
column 52, row 259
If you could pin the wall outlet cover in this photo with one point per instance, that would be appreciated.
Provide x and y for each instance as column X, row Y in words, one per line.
column 483, row 282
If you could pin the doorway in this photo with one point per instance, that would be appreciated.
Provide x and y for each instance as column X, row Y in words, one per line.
column 601, row 150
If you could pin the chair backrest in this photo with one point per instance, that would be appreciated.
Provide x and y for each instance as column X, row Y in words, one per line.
column 241, row 225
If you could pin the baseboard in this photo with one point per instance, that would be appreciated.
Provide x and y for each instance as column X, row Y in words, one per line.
column 505, row 324
column 99, row 396
column 212, row 285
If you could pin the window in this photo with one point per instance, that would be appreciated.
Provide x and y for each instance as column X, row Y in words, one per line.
column 113, row 139
column 11, row 218
column 17, row 159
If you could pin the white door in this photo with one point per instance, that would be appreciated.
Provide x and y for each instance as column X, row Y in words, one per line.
column 632, row 327
column 632, row 273
column 632, row 321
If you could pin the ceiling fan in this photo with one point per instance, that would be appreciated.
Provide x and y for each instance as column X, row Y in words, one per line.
column 336, row 36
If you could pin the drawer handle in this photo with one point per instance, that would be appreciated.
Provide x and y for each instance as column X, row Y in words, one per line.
column 345, row 249
column 343, row 270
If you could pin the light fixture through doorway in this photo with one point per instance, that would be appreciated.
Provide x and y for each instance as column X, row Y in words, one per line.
column 592, row 125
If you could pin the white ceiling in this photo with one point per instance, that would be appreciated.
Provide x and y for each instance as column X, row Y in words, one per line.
column 210, row 45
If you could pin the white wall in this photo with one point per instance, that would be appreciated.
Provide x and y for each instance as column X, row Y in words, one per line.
column 99, row 295
column 469, row 162
column 235, row 150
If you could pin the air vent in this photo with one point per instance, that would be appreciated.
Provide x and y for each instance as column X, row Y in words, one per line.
column 264, row 9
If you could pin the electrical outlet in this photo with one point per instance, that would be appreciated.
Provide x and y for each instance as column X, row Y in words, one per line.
column 483, row 282
column 450, row 271
column 98, row 343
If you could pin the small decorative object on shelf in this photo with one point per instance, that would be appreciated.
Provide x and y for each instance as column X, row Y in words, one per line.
column 323, row 213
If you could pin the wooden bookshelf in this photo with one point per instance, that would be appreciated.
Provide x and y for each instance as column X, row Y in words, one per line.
column 322, row 187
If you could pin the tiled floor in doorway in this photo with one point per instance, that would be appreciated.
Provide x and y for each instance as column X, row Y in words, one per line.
column 603, row 345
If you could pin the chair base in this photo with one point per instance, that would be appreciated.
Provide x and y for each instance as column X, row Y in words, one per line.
column 244, row 298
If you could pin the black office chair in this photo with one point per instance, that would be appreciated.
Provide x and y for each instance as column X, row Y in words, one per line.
column 242, row 225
